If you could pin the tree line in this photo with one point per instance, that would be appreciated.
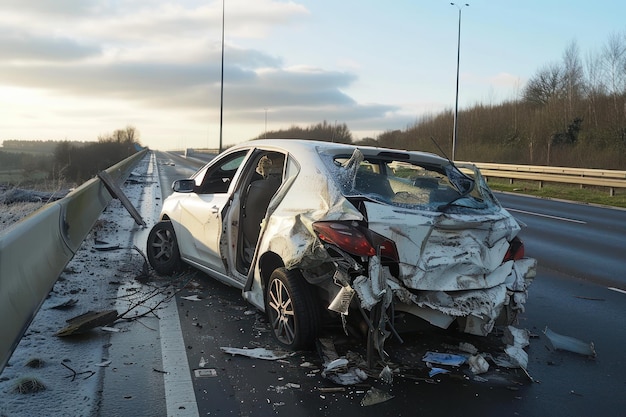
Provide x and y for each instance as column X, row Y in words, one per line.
column 571, row 112
column 73, row 162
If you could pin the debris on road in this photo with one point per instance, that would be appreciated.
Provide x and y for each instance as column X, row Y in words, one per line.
column 375, row 396
column 478, row 364
column 88, row 321
column 256, row 353
column 67, row 304
column 194, row 297
column 338, row 369
column 561, row 342
column 444, row 359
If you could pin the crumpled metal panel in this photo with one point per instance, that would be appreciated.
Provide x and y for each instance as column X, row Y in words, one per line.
column 289, row 229
column 446, row 252
column 450, row 263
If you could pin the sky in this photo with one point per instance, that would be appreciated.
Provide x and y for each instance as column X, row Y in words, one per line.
column 81, row 69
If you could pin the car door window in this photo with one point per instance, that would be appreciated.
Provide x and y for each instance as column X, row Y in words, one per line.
column 218, row 178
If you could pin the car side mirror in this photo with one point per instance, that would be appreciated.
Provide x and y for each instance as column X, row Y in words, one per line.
column 184, row 186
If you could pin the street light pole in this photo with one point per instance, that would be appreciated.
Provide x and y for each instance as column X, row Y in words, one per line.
column 458, row 60
column 222, row 83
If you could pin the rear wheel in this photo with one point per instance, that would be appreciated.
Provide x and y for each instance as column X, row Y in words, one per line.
column 291, row 310
column 162, row 248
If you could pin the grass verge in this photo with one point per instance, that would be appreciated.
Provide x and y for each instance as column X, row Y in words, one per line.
column 590, row 195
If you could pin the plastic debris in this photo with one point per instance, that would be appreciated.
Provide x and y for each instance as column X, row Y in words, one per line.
column 110, row 329
column 516, row 337
column 518, row 357
column 478, row 364
column 205, row 373
column 386, row 375
column 256, row 353
column 345, row 376
column 444, row 358
column 468, row 348
column 570, row 344
column 337, row 369
column 375, row 396
column 194, row 297
column 436, row 371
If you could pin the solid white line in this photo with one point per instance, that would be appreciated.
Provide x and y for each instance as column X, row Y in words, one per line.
column 180, row 398
column 547, row 216
column 617, row 289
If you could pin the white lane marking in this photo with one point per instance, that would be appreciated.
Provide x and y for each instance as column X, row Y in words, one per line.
column 565, row 219
column 617, row 289
column 180, row 398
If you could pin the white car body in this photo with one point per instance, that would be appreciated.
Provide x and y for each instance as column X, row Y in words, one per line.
column 451, row 235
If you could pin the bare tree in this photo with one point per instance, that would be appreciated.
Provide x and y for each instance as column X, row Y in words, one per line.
column 132, row 134
column 614, row 60
column 573, row 77
column 594, row 85
column 545, row 85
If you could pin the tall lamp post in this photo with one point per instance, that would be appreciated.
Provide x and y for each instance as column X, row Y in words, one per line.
column 222, row 83
column 458, row 60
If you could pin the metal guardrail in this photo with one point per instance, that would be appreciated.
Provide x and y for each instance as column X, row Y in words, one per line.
column 34, row 252
column 610, row 179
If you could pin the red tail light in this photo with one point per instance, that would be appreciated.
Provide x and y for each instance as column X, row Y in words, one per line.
column 516, row 250
column 355, row 240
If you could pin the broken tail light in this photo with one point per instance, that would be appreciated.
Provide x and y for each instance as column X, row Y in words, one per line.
column 516, row 250
column 355, row 240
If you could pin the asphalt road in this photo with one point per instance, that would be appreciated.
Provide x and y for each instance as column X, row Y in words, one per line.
column 576, row 293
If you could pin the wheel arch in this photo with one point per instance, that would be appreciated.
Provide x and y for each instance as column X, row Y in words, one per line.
column 269, row 262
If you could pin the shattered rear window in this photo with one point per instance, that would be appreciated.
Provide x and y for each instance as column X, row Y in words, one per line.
column 406, row 183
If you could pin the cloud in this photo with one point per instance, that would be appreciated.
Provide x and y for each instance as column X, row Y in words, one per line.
column 165, row 58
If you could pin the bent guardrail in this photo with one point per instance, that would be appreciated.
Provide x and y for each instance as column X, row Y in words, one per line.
column 610, row 179
column 34, row 252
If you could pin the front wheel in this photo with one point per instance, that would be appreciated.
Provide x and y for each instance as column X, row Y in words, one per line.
column 162, row 248
column 291, row 310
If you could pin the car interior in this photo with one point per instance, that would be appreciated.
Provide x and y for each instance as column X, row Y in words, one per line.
column 263, row 185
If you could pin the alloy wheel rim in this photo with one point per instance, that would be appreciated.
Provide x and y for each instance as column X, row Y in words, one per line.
column 162, row 246
column 281, row 312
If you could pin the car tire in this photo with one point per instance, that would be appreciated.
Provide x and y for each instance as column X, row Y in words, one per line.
column 291, row 309
column 162, row 248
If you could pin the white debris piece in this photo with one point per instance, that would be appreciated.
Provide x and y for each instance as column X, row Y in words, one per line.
column 192, row 298
column 516, row 337
column 436, row 371
column 375, row 396
column 518, row 356
column 334, row 365
column 256, row 353
column 386, row 375
column 478, row 364
column 444, row 358
column 468, row 348
column 570, row 344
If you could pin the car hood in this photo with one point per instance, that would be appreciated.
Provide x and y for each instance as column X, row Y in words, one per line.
column 444, row 251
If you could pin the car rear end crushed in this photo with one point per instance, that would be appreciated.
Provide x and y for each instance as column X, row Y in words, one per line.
column 381, row 230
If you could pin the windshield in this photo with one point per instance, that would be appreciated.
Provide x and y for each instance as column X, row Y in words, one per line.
column 409, row 184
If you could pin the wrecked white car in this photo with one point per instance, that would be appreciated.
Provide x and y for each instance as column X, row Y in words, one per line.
column 317, row 230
